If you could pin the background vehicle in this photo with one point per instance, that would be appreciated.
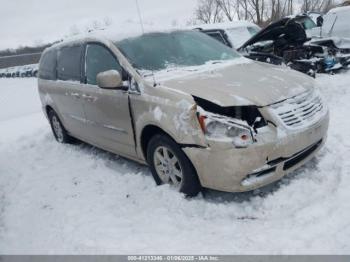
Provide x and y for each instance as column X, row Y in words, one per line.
column 8, row 73
column 23, row 71
column 13, row 71
column 20, row 71
column 232, row 34
column 34, row 70
column 317, row 17
column 288, row 42
column 334, row 37
column 336, row 23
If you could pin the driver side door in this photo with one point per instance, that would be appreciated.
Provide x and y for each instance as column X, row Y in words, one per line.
column 107, row 111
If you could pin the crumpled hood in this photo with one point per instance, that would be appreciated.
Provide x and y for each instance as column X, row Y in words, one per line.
column 273, row 31
column 250, row 83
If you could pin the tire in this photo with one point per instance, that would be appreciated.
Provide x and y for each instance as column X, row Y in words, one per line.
column 59, row 132
column 170, row 165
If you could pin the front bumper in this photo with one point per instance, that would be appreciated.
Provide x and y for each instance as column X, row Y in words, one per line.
column 225, row 168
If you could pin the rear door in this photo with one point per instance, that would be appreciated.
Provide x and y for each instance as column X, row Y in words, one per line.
column 107, row 111
column 69, row 91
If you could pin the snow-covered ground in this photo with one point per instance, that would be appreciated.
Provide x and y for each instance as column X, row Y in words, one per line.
column 59, row 199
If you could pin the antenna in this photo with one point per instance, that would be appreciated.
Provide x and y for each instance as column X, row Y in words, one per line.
column 140, row 17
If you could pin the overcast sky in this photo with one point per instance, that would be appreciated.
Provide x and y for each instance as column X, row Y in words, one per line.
column 29, row 22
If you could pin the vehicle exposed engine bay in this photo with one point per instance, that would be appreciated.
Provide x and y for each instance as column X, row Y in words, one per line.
column 286, row 42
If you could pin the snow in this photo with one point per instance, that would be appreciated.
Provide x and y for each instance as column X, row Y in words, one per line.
column 237, row 31
column 225, row 25
column 339, row 9
column 185, row 72
column 76, row 199
column 336, row 23
column 158, row 114
column 115, row 34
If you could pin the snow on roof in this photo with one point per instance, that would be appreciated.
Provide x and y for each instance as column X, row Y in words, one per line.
column 225, row 25
column 339, row 9
column 115, row 33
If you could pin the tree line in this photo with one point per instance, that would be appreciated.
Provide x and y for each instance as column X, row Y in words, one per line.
column 261, row 12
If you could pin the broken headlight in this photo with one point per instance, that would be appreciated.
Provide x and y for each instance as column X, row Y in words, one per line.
column 215, row 126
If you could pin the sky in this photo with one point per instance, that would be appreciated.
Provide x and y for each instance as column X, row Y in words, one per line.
column 33, row 22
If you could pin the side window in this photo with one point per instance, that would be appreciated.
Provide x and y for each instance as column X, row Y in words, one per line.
column 69, row 63
column 47, row 67
column 99, row 59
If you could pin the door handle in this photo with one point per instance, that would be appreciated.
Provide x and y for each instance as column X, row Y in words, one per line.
column 75, row 95
column 88, row 98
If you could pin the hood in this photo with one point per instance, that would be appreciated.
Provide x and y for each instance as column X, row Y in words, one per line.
column 252, row 83
column 275, row 30
column 341, row 43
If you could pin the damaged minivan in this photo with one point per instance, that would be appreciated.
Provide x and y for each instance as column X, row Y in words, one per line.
column 194, row 110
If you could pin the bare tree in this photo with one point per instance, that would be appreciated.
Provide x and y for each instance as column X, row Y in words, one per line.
column 261, row 12
column 209, row 11
column 317, row 5
column 228, row 8
column 255, row 6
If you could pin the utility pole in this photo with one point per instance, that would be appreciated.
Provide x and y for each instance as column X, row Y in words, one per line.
column 140, row 17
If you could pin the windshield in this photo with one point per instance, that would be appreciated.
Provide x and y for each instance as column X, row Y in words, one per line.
column 158, row 51
column 240, row 35
column 328, row 24
column 336, row 24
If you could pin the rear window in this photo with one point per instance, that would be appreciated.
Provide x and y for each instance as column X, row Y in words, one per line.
column 217, row 35
column 48, row 65
column 69, row 63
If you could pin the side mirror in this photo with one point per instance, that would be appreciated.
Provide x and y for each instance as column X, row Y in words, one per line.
column 110, row 79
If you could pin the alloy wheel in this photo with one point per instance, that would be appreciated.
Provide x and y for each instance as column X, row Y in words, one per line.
column 168, row 166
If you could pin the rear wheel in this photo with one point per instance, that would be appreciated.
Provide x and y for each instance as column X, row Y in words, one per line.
column 170, row 165
column 59, row 132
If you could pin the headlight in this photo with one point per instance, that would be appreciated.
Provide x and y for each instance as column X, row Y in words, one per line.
column 215, row 126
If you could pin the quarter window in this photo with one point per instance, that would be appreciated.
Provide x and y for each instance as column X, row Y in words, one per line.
column 99, row 59
column 69, row 63
column 48, row 65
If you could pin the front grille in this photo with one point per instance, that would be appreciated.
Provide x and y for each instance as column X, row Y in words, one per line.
column 299, row 111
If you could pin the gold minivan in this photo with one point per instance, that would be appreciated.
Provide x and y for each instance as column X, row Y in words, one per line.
column 194, row 110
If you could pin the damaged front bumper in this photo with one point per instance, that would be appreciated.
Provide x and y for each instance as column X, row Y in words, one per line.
column 223, row 167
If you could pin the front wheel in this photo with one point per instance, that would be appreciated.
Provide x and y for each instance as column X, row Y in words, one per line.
column 170, row 165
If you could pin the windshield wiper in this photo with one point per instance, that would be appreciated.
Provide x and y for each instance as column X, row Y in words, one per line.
column 216, row 62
